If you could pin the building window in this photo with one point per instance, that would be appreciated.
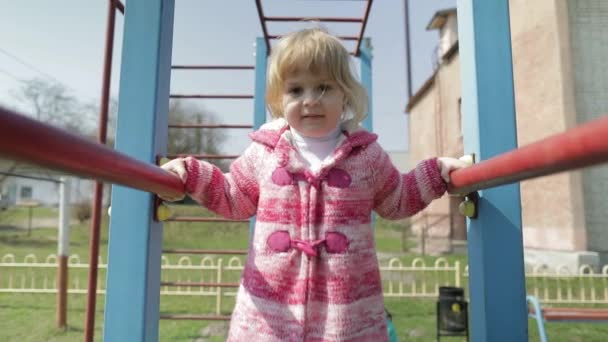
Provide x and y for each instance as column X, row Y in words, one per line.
column 26, row 192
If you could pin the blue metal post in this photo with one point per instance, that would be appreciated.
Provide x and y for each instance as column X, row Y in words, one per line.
column 259, row 101
column 365, row 59
column 496, row 265
column 134, row 251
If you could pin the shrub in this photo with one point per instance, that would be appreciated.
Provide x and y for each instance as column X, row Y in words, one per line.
column 82, row 211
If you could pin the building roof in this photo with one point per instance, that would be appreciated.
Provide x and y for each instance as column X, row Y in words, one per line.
column 439, row 18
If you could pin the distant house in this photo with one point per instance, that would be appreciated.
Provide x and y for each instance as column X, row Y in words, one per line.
column 32, row 184
column 559, row 65
column 18, row 190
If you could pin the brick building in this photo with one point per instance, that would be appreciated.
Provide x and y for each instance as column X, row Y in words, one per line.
column 560, row 75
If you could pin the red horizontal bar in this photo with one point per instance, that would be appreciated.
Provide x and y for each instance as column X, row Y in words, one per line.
column 341, row 37
column 206, row 251
column 327, row 19
column 28, row 140
column 195, row 284
column 195, row 317
column 582, row 146
column 180, row 96
column 203, row 219
column 573, row 314
column 213, row 67
column 208, row 126
column 202, row 156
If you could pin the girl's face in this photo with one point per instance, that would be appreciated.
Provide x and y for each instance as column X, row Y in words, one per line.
column 312, row 104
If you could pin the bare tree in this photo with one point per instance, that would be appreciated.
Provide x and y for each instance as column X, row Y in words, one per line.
column 52, row 103
column 194, row 140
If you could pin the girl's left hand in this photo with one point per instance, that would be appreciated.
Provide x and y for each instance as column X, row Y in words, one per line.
column 447, row 165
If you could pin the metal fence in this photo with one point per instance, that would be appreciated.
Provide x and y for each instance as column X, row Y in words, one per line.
column 199, row 276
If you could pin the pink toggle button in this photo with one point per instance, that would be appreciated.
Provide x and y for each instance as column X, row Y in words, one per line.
column 281, row 176
column 280, row 241
column 335, row 242
column 338, row 178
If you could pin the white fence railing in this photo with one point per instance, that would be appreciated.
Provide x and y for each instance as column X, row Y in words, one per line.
column 414, row 280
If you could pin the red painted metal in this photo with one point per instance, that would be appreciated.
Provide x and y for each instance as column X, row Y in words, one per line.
column 582, row 146
column 203, row 219
column 258, row 5
column 28, row 140
column 195, row 317
column 363, row 21
column 206, row 251
column 180, row 96
column 89, row 330
column 213, row 67
column 198, row 284
column 119, row 5
column 368, row 8
column 62, row 291
column 341, row 37
column 321, row 19
column 573, row 314
column 208, row 126
column 202, row 156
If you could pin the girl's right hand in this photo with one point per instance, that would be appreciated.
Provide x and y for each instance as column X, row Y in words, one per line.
column 177, row 167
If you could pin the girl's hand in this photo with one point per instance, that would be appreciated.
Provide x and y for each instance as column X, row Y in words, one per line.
column 447, row 165
column 177, row 167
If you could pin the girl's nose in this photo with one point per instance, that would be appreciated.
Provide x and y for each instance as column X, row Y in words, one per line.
column 313, row 97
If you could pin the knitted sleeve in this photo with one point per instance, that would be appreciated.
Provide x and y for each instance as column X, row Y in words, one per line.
column 402, row 195
column 232, row 195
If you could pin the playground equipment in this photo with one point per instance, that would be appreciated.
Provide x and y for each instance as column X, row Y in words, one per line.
column 495, row 239
column 562, row 314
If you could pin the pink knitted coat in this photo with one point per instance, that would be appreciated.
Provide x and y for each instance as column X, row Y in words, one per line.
column 311, row 272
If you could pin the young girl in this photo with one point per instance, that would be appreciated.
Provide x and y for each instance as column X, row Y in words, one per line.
column 312, row 177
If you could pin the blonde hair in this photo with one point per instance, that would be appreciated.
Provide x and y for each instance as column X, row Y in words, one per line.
column 317, row 51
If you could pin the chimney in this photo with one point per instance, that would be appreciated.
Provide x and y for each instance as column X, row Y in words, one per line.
column 446, row 21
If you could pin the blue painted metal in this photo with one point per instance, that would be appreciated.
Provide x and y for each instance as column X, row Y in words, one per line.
column 365, row 59
column 496, row 265
column 134, row 255
column 365, row 67
column 538, row 316
column 259, row 100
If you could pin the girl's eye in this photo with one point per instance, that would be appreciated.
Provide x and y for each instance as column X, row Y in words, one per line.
column 294, row 91
column 324, row 87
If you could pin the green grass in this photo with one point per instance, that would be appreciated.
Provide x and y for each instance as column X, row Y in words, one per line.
column 31, row 317
column 414, row 320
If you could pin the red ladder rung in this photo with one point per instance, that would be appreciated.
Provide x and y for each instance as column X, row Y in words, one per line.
column 206, row 251
column 198, row 284
column 195, row 317
column 213, row 67
column 202, row 156
column 205, row 96
column 208, row 126
column 203, row 219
